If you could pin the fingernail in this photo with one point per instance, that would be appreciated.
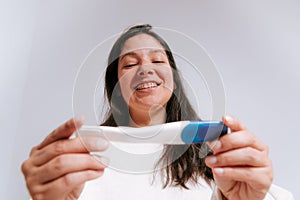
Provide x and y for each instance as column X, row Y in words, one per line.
column 228, row 118
column 103, row 160
column 79, row 119
column 100, row 143
column 212, row 160
column 219, row 170
column 217, row 145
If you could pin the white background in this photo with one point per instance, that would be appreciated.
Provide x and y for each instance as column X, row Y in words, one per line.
column 255, row 45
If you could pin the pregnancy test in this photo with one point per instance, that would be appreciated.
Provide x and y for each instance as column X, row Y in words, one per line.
column 181, row 132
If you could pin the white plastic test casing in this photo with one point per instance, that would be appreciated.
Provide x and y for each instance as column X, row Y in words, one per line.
column 181, row 132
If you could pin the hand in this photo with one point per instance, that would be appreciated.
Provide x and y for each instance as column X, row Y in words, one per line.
column 240, row 163
column 58, row 167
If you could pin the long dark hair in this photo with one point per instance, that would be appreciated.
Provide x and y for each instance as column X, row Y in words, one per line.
column 179, row 168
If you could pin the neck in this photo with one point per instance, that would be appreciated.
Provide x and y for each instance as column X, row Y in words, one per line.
column 155, row 115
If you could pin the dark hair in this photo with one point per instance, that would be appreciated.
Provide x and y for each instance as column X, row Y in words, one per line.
column 187, row 166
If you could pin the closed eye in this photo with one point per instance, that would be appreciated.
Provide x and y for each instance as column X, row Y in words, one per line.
column 158, row 61
column 128, row 66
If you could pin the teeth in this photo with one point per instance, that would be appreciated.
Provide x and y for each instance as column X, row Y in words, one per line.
column 146, row 85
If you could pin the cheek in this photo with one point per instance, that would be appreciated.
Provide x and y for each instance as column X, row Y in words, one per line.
column 125, row 84
column 168, row 78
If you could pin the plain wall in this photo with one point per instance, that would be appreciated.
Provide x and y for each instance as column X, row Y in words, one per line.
column 255, row 45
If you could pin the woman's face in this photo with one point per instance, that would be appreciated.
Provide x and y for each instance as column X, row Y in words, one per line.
column 144, row 73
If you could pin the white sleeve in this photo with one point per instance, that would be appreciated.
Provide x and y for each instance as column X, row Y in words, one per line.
column 278, row 193
column 274, row 193
column 216, row 194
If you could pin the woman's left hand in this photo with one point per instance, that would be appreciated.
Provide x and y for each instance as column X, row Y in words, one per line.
column 240, row 163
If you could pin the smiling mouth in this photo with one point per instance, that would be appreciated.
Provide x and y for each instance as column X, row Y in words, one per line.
column 146, row 85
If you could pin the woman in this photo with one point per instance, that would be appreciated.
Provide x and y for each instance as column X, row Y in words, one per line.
column 144, row 88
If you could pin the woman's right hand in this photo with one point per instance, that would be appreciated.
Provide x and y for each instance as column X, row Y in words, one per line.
column 59, row 166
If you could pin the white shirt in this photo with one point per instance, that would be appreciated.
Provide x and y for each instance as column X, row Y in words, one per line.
column 114, row 185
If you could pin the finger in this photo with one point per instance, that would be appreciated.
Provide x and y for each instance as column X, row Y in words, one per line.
column 33, row 150
column 237, row 140
column 76, row 145
column 27, row 167
column 59, row 188
column 239, row 157
column 66, row 164
column 63, row 131
column 257, row 177
column 233, row 123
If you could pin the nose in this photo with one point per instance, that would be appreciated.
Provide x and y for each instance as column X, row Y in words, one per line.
column 145, row 70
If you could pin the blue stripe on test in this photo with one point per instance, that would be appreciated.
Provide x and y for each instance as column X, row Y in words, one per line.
column 203, row 131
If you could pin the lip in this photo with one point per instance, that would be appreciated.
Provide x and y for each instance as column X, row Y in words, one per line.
column 150, row 85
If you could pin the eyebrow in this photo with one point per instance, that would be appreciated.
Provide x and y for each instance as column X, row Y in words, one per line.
column 132, row 53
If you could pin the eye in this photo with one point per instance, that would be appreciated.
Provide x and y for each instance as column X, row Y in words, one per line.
column 158, row 61
column 129, row 65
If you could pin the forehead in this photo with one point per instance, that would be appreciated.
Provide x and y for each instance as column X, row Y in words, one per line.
column 139, row 42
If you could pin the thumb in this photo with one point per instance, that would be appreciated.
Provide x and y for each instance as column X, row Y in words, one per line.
column 233, row 123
